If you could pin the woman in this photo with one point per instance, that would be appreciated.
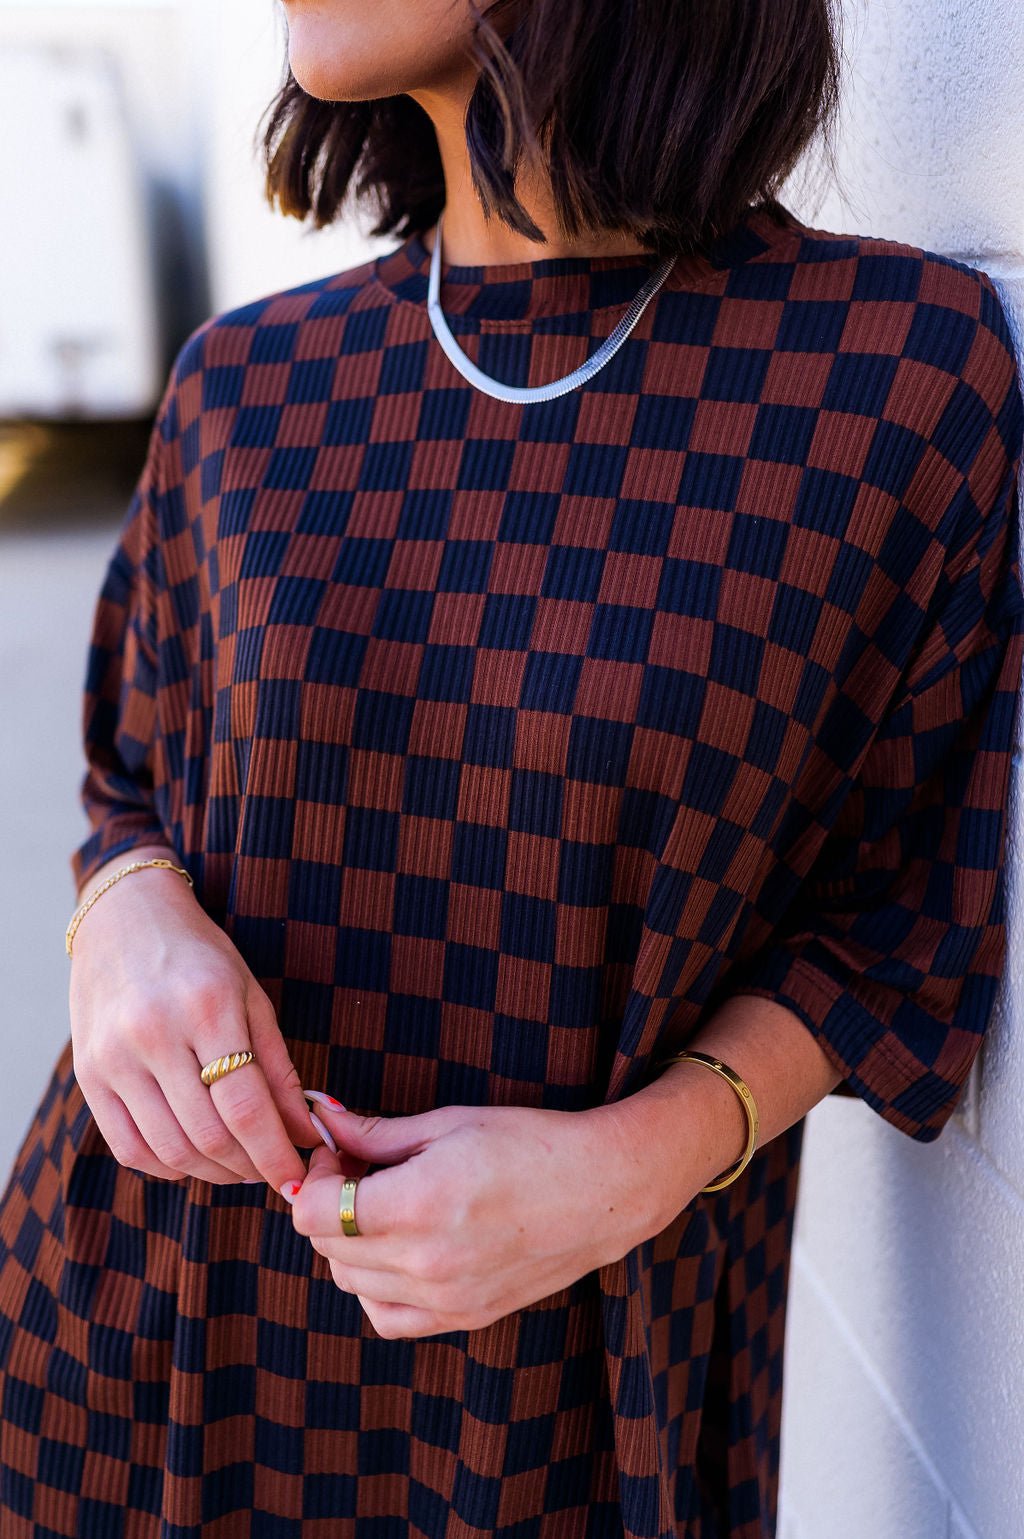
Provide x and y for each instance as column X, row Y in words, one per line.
column 508, row 746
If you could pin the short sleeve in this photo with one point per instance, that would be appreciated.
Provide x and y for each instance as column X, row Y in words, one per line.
column 119, row 700
column 893, row 949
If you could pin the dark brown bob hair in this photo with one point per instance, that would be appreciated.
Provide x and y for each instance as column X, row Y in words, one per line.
column 666, row 118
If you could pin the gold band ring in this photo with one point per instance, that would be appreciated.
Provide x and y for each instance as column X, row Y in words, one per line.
column 347, row 1205
column 218, row 1067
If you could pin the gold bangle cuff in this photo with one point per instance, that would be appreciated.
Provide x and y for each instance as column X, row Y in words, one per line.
column 742, row 1089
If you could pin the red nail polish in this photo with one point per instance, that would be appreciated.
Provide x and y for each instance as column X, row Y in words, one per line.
column 289, row 1190
column 335, row 1103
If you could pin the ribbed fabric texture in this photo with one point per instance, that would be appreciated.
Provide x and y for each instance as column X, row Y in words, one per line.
column 506, row 742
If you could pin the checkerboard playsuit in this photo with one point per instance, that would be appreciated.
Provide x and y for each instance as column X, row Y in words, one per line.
column 505, row 742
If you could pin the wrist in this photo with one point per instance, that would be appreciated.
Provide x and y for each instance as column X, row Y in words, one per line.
column 647, row 1173
column 89, row 884
column 101, row 893
column 676, row 1135
column 624, row 1204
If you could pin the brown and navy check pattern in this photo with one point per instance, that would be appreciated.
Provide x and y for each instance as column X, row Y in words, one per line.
column 506, row 742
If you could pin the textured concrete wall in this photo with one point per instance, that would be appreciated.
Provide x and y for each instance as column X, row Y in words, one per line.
column 905, row 1346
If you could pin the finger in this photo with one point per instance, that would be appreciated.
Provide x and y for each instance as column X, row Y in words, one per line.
column 394, row 1321
column 381, row 1287
column 243, row 1100
column 274, row 1059
column 192, row 1105
column 122, row 1136
column 348, row 1165
column 380, row 1205
column 383, row 1140
column 144, row 1097
column 324, row 1134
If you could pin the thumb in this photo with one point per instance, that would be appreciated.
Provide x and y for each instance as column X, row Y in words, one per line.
column 378, row 1140
column 323, row 1163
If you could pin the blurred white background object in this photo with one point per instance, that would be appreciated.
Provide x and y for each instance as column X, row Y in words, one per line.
column 240, row 47
column 78, row 313
column 134, row 204
column 147, row 44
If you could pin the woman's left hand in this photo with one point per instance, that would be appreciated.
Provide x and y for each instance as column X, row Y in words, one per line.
column 481, row 1210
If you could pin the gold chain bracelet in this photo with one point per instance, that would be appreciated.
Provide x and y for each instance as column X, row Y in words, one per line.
column 136, row 865
column 748, row 1103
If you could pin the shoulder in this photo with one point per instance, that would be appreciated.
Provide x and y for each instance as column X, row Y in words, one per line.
column 209, row 364
column 916, row 339
column 906, row 300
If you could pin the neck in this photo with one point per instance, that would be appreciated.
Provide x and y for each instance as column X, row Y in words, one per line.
column 470, row 238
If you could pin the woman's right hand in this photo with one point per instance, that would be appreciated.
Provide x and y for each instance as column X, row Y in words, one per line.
column 157, row 990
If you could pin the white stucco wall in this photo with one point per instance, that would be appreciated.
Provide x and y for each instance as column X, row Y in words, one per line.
column 905, row 1342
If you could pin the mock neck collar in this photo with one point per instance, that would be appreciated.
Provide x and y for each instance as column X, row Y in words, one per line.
column 566, row 285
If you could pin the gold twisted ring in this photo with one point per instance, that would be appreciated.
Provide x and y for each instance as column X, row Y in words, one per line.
column 347, row 1205
column 218, row 1067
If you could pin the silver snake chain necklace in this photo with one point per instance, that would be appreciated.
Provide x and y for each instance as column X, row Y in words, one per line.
column 526, row 393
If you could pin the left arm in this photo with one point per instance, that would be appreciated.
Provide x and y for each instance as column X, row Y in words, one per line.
column 483, row 1210
column 783, row 1065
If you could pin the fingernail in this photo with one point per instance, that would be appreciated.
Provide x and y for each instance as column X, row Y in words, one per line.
column 251, row 1180
column 323, row 1099
column 324, row 1134
column 290, row 1190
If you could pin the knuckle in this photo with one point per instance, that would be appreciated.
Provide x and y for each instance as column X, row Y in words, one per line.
column 248, row 1110
column 215, row 1141
column 430, row 1264
column 291, row 1080
column 124, row 1152
column 100, row 1046
column 259, row 1003
column 210, row 999
column 378, row 1318
column 147, row 1031
column 461, row 1217
column 172, row 1151
column 87, row 1078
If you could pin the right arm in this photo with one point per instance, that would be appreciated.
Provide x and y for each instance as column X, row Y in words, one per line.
column 157, row 987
